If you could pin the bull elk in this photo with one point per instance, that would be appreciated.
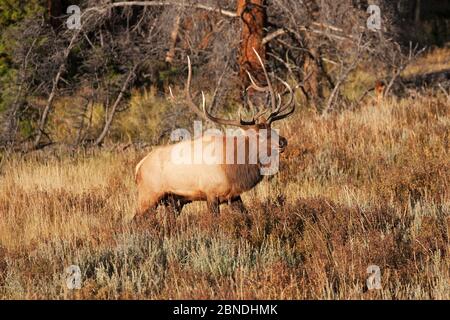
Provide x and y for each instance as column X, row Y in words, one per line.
column 162, row 179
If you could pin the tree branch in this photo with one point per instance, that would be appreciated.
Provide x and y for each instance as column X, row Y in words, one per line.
column 282, row 31
column 110, row 118
column 102, row 9
column 43, row 120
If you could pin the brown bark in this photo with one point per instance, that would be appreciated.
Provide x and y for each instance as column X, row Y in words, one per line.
column 312, row 67
column 54, row 10
column 253, row 19
column 313, row 72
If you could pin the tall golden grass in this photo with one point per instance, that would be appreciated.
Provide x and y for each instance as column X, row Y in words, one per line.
column 359, row 188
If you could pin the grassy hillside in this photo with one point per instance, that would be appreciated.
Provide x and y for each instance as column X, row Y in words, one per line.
column 363, row 187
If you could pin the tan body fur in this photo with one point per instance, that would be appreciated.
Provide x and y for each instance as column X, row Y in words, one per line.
column 161, row 179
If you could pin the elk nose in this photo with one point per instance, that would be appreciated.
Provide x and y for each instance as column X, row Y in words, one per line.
column 283, row 143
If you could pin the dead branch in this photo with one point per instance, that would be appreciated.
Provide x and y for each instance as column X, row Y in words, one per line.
column 282, row 31
column 110, row 117
column 345, row 72
column 43, row 120
column 223, row 12
column 414, row 53
column 12, row 117
column 107, row 7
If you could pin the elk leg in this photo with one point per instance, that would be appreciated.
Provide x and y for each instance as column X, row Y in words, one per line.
column 144, row 208
column 213, row 205
column 145, row 203
column 177, row 203
column 237, row 204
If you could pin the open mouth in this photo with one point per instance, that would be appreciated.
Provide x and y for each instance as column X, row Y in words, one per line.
column 281, row 149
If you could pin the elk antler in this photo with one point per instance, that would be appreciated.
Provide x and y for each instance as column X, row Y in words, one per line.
column 187, row 90
column 277, row 108
column 281, row 111
column 205, row 115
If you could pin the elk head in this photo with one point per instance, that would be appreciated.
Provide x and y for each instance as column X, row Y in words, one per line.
column 261, row 122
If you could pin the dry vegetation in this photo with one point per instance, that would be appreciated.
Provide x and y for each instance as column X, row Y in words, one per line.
column 362, row 187
column 364, row 181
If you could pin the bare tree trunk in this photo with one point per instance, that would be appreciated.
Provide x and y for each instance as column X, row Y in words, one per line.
column 253, row 18
column 312, row 66
column 54, row 10
column 110, row 117
column 312, row 71
column 417, row 12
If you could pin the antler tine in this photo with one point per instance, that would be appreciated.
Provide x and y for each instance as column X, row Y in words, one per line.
column 256, row 114
column 276, row 116
column 291, row 95
column 278, row 109
column 204, row 113
column 252, row 106
column 254, row 85
column 190, row 102
column 260, row 114
column 171, row 93
column 280, row 101
column 237, row 123
column 283, row 116
column 269, row 83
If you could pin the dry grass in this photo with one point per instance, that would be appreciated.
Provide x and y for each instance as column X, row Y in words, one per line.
column 435, row 61
column 364, row 187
